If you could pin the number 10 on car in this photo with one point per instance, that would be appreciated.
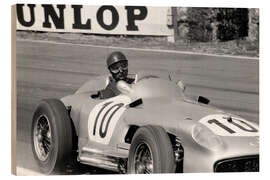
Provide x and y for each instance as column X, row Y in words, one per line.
column 103, row 118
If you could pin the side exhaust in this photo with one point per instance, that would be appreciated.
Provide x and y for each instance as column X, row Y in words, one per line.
column 97, row 158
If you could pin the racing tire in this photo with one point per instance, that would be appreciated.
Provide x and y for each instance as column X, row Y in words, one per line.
column 151, row 152
column 51, row 136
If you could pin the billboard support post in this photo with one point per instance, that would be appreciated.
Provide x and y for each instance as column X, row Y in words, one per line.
column 175, row 33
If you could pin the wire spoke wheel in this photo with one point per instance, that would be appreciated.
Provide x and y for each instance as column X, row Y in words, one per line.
column 143, row 159
column 51, row 136
column 150, row 152
column 42, row 138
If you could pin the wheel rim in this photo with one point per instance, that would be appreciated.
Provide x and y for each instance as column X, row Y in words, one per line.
column 143, row 160
column 42, row 138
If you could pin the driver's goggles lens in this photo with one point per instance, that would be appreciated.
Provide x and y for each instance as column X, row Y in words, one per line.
column 115, row 68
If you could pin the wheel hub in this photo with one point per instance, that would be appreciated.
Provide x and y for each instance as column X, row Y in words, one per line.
column 39, row 138
column 42, row 137
column 140, row 167
column 143, row 159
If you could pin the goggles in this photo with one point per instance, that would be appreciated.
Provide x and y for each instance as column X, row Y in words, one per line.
column 115, row 68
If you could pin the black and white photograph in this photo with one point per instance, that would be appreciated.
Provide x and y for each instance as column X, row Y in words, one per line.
column 134, row 89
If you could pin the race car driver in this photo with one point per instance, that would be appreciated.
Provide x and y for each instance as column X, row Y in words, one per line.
column 117, row 64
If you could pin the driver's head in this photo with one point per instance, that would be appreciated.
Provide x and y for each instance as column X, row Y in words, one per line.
column 118, row 65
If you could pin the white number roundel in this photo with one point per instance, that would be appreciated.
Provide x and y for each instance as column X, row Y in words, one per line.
column 104, row 117
column 235, row 126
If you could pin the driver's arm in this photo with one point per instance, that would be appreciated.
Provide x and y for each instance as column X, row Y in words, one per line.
column 106, row 93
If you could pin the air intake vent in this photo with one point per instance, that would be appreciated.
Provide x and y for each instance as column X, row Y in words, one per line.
column 239, row 164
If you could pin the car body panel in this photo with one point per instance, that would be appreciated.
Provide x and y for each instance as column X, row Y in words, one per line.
column 165, row 105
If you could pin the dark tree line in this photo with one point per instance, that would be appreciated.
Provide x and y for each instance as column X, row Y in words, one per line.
column 232, row 23
column 222, row 24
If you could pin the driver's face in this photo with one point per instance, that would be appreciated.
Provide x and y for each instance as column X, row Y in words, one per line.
column 119, row 70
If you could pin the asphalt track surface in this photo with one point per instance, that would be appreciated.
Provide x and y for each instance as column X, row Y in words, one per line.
column 54, row 70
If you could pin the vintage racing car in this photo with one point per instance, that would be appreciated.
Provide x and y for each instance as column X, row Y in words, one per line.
column 151, row 127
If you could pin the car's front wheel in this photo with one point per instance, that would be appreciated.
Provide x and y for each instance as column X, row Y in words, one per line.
column 151, row 152
column 51, row 136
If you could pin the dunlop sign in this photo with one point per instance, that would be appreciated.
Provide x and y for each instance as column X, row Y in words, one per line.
column 128, row 20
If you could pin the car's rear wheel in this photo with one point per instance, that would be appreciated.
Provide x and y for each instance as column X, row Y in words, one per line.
column 51, row 136
column 151, row 152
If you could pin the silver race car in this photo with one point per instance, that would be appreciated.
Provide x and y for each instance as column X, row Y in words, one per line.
column 151, row 127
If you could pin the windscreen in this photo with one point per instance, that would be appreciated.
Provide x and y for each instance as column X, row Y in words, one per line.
column 154, row 86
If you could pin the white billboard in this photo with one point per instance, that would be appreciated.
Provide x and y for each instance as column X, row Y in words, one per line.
column 126, row 20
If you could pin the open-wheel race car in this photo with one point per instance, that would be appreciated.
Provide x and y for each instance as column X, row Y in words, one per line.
column 151, row 127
